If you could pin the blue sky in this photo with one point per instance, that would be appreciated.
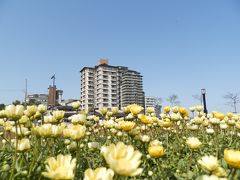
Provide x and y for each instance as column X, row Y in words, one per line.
column 178, row 46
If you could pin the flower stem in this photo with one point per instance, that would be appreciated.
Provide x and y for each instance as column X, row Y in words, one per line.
column 15, row 153
column 190, row 162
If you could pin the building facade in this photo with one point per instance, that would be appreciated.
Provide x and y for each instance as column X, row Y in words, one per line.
column 151, row 101
column 37, row 99
column 110, row 86
column 54, row 96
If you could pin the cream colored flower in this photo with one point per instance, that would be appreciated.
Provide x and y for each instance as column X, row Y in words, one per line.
column 109, row 114
column 23, row 131
column 238, row 125
column 150, row 110
column 48, row 130
column 122, row 159
column 209, row 163
column 210, row 131
column 212, row 177
column 175, row 109
column 49, row 119
column 72, row 146
column 145, row 138
column 223, row 126
column 193, row 142
column 93, row 145
column 109, row 123
column 126, row 110
column 31, row 110
column 78, row 118
column 192, row 127
column 199, row 108
column 214, row 121
column 8, row 125
column 220, row 172
column 192, row 109
column 155, row 143
column 37, row 115
column 130, row 116
column 75, row 132
column 58, row 115
column 163, row 116
column 135, row 109
column 24, row 119
column 197, row 120
column 60, row 168
column 231, row 122
column 22, row 145
column 76, row 104
column 115, row 110
column 175, row 117
column 14, row 112
column 99, row 174
column 42, row 108
column 2, row 122
column 2, row 114
column 205, row 123
column 103, row 111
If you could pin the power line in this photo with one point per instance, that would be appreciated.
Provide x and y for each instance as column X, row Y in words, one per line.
column 12, row 90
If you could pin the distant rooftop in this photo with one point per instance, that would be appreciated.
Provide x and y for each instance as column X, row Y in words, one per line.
column 103, row 61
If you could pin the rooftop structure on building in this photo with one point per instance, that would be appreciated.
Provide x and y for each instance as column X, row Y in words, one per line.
column 110, row 86
column 54, row 96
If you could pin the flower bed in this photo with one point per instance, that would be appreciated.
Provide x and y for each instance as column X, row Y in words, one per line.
column 180, row 144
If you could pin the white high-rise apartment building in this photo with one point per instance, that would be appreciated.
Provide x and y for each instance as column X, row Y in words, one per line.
column 151, row 101
column 110, row 86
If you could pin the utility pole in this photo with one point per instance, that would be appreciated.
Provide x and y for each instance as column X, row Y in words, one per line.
column 26, row 86
column 54, row 91
column 203, row 91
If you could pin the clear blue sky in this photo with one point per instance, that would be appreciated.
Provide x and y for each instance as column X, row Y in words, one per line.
column 178, row 46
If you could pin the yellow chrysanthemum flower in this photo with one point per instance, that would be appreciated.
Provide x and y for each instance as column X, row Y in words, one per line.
column 150, row 110
column 58, row 115
column 135, row 109
column 165, row 124
column 209, row 163
column 76, row 104
column 14, row 112
column 156, row 151
column 75, row 132
column 232, row 157
column 167, row 109
column 122, row 159
column 126, row 125
column 219, row 115
column 193, row 142
column 145, row 119
column 60, row 168
column 23, row 145
column 99, row 174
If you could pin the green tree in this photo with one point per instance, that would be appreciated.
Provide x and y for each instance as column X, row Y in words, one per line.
column 17, row 102
column 173, row 100
column 2, row 106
